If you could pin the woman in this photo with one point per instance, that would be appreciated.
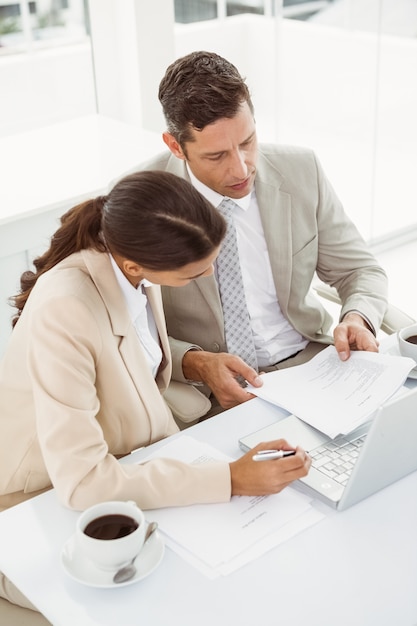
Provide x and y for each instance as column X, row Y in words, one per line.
column 82, row 380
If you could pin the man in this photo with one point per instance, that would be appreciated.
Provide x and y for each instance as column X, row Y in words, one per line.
column 290, row 224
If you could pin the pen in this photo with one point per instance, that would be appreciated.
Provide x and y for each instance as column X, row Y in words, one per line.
column 267, row 455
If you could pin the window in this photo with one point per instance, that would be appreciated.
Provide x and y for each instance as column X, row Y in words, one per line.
column 40, row 23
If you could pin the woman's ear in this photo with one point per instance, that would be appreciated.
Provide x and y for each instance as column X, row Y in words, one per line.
column 173, row 145
column 132, row 271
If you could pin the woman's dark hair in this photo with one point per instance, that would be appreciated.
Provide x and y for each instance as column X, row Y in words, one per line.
column 155, row 219
column 199, row 89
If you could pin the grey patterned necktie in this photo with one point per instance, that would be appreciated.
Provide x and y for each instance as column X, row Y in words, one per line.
column 237, row 327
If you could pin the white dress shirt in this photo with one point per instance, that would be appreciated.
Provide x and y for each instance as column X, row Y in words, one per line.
column 275, row 338
column 142, row 317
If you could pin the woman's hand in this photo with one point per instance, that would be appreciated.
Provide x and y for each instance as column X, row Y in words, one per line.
column 250, row 478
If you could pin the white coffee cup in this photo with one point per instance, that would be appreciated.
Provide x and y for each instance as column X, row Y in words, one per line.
column 111, row 533
column 405, row 345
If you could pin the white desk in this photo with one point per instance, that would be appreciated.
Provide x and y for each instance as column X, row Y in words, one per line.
column 44, row 172
column 357, row 567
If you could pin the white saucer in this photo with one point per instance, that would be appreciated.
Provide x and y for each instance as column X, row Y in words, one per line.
column 394, row 351
column 81, row 569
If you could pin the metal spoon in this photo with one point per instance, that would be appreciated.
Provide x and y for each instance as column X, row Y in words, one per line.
column 128, row 571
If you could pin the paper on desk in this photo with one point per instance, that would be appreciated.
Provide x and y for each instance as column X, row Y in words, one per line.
column 218, row 538
column 310, row 517
column 332, row 395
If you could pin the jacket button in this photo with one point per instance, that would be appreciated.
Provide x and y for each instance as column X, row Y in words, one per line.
column 216, row 347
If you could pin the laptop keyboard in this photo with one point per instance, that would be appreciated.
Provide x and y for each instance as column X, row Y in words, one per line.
column 337, row 457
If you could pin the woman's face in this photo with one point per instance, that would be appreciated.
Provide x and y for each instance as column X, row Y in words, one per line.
column 183, row 275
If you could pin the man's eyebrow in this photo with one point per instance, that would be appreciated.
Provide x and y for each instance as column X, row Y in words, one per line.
column 251, row 136
column 242, row 143
column 216, row 153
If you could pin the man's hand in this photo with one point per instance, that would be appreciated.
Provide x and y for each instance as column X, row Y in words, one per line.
column 221, row 373
column 353, row 333
column 250, row 478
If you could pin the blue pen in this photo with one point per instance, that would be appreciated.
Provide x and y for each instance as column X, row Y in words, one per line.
column 267, row 455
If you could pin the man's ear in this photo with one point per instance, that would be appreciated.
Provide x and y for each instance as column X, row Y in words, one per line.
column 173, row 145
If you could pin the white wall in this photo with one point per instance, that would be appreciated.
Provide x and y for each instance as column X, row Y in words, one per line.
column 45, row 86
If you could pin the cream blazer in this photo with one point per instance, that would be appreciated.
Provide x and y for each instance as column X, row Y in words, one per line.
column 76, row 392
column 306, row 231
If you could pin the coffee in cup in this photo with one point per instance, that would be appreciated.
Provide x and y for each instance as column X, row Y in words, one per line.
column 112, row 533
column 111, row 526
column 407, row 341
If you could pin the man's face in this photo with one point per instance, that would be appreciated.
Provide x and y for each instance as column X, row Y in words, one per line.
column 223, row 155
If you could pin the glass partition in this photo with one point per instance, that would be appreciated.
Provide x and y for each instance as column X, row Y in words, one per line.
column 349, row 91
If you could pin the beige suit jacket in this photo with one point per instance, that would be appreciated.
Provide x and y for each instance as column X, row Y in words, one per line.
column 306, row 231
column 76, row 391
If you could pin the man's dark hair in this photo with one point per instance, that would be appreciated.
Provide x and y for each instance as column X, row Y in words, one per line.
column 199, row 89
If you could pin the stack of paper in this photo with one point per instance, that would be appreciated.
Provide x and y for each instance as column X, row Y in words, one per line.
column 332, row 395
column 219, row 538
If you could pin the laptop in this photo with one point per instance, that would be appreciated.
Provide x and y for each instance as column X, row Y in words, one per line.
column 349, row 468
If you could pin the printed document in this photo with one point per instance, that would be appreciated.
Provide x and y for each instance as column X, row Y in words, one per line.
column 336, row 396
column 219, row 538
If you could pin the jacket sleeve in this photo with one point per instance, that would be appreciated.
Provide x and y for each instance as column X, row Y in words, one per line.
column 344, row 259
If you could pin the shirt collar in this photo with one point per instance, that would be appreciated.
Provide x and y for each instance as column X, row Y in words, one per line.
column 214, row 197
column 135, row 298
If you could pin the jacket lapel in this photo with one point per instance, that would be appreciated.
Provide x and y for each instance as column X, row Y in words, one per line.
column 210, row 292
column 101, row 272
column 275, row 210
column 155, row 299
